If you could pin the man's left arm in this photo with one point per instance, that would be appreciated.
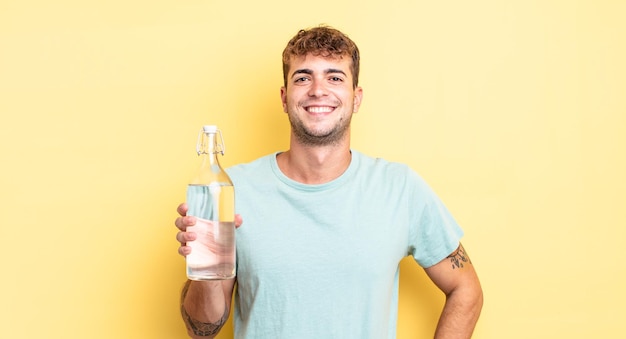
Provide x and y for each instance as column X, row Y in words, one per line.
column 456, row 277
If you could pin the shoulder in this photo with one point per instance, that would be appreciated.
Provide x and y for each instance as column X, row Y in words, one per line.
column 246, row 166
column 393, row 175
column 377, row 166
column 251, row 169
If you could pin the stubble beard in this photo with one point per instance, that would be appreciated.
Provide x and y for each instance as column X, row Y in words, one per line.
column 310, row 137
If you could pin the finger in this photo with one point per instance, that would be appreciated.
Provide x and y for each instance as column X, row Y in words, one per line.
column 184, row 237
column 238, row 220
column 184, row 250
column 183, row 222
column 182, row 209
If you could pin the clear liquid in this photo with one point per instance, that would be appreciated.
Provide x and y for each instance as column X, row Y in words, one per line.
column 213, row 252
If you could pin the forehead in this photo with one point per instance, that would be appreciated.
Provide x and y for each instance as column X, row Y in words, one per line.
column 317, row 63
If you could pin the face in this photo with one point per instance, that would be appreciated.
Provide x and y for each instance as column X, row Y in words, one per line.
column 320, row 99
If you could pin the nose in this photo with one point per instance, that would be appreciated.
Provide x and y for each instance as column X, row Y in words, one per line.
column 317, row 89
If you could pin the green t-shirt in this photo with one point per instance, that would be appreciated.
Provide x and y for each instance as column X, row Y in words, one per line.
column 321, row 261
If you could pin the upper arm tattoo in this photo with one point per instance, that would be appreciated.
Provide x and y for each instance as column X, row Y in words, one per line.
column 459, row 257
column 200, row 328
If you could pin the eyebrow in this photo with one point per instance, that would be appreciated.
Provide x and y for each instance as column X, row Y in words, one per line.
column 309, row 71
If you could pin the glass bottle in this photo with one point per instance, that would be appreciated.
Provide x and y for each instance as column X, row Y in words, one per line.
column 211, row 199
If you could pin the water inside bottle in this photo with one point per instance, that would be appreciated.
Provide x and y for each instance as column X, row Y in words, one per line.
column 213, row 252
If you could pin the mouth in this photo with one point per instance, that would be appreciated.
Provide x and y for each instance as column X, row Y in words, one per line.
column 319, row 109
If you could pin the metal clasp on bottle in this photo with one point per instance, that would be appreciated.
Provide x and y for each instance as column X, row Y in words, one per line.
column 202, row 145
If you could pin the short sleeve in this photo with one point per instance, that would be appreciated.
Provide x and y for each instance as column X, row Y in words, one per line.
column 433, row 231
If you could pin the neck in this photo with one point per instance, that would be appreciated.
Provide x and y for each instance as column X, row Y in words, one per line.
column 315, row 164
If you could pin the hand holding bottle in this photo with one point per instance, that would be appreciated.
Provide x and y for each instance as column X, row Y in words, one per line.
column 183, row 222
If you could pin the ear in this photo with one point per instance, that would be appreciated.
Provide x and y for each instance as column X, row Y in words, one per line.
column 283, row 98
column 358, row 97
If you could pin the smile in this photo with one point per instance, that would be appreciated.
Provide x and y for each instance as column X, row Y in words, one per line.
column 320, row 109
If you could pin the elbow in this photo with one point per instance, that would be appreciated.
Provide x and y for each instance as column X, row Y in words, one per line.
column 471, row 300
column 468, row 300
column 478, row 302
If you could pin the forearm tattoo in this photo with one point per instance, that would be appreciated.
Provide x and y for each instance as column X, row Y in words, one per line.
column 459, row 257
column 200, row 328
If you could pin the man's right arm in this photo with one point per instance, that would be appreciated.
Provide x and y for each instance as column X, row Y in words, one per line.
column 205, row 306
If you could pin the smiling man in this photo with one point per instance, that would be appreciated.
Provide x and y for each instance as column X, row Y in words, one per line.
column 327, row 226
column 320, row 98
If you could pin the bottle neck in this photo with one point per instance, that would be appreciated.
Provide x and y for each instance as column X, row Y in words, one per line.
column 210, row 171
column 209, row 150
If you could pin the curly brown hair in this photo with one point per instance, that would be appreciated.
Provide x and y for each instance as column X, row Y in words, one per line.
column 322, row 41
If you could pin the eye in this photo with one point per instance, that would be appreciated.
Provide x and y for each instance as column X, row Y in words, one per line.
column 336, row 79
column 300, row 79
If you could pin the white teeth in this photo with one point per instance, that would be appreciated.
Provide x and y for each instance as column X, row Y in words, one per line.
column 318, row 109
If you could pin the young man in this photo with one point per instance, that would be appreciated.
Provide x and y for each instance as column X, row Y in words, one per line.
column 326, row 226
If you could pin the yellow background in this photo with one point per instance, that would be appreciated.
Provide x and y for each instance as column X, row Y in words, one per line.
column 514, row 111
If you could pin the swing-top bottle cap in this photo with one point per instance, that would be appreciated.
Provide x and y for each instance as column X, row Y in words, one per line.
column 209, row 129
